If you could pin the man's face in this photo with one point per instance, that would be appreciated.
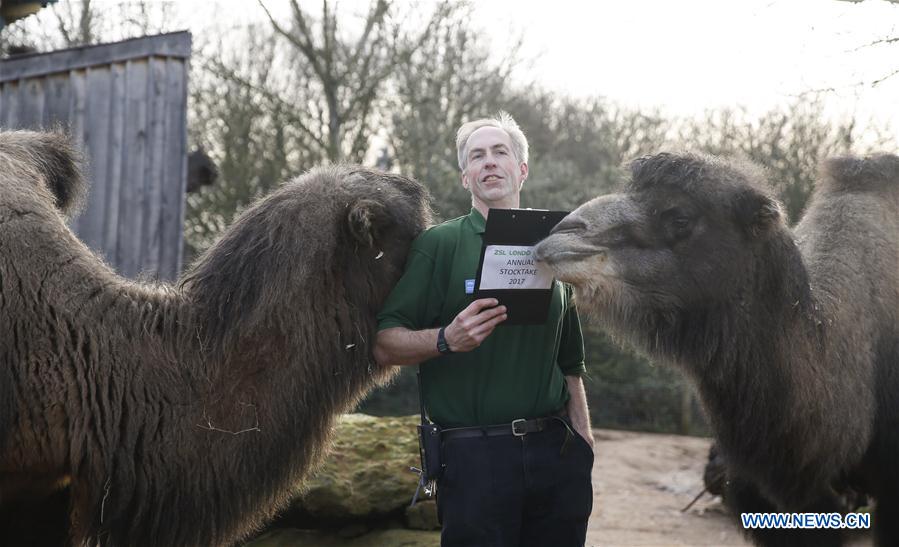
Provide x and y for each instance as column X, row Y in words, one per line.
column 493, row 174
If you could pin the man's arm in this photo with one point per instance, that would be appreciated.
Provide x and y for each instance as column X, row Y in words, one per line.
column 577, row 408
column 401, row 346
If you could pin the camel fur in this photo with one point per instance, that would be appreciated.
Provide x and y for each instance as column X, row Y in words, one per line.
column 791, row 338
column 187, row 414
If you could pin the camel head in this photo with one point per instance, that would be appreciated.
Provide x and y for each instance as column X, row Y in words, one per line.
column 384, row 215
column 685, row 234
column 314, row 260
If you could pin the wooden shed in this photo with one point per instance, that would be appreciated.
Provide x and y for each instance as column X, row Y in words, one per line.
column 126, row 103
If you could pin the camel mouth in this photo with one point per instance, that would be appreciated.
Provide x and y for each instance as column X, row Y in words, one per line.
column 556, row 256
column 572, row 255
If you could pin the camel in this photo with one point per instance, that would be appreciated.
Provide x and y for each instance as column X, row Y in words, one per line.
column 187, row 414
column 791, row 338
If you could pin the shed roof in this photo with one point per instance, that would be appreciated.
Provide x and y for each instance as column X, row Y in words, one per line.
column 173, row 44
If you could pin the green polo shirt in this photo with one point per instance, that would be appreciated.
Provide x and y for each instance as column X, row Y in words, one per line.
column 517, row 372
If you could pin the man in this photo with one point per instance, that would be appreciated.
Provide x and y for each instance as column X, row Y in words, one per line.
column 516, row 435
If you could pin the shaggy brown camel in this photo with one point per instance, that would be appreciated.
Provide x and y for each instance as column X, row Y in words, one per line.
column 792, row 339
column 187, row 414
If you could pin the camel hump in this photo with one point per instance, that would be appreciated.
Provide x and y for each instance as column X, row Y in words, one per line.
column 873, row 173
column 51, row 156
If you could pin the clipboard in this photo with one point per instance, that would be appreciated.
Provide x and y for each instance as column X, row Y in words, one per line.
column 510, row 276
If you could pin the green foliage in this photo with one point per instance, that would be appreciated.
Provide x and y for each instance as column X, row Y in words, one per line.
column 399, row 398
column 626, row 391
column 239, row 115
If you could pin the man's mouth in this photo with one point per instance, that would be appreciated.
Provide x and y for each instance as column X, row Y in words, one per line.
column 491, row 178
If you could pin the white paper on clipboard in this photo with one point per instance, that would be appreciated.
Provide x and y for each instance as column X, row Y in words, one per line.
column 513, row 267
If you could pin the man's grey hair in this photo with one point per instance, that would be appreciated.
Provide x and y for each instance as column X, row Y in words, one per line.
column 502, row 121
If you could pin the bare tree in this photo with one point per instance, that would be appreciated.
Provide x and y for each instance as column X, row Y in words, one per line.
column 790, row 142
column 888, row 72
column 270, row 102
column 350, row 72
column 450, row 78
column 76, row 24
column 579, row 144
column 239, row 114
column 84, row 22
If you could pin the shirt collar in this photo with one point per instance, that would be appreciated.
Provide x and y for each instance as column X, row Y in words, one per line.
column 477, row 221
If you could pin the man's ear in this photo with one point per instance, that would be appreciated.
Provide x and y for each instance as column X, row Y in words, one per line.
column 524, row 174
column 464, row 180
column 756, row 212
column 365, row 219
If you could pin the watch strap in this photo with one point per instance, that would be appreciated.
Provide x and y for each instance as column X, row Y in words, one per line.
column 442, row 346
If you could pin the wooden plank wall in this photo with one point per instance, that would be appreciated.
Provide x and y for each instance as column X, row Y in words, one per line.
column 126, row 103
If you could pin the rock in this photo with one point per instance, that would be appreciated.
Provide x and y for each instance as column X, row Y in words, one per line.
column 353, row 530
column 422, row 516
column 366, row 474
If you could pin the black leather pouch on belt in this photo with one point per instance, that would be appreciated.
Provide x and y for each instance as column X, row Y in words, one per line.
column 429, row 445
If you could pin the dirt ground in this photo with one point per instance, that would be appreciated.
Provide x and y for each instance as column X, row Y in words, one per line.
column 642, row 481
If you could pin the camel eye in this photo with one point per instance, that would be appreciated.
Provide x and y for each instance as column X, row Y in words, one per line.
column 681, row 226
column 677, row 223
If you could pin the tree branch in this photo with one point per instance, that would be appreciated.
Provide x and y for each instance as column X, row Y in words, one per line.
column 877, row 43
column 375, row 16
column 220, row 70
column 402, row 56
column 304, row 41
column 884, row 78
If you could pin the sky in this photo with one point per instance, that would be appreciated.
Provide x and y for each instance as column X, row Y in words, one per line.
column 681, row 57
column 686, row 56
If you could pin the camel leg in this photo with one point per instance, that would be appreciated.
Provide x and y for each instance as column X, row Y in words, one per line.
column 743, row 497
column 886, row 521
column 80, row 516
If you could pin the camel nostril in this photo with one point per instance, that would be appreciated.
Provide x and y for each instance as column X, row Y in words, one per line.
column 569, row 224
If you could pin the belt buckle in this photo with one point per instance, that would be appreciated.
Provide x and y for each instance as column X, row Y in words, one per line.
column 517, row 432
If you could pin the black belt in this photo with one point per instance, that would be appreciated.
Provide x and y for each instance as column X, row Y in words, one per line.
column 518, row 428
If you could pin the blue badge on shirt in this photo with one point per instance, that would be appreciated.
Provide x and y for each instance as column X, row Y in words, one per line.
column 469, row 286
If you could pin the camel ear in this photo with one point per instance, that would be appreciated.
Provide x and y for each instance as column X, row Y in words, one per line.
column 756, row 212
column 365, row 220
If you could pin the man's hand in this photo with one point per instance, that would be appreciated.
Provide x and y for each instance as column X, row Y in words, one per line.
column 577, row 409
column 399, row 346
column 474, row 324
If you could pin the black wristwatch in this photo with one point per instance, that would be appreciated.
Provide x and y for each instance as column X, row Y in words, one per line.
column 442, row 346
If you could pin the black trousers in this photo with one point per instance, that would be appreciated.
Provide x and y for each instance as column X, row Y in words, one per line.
column 506, row 491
